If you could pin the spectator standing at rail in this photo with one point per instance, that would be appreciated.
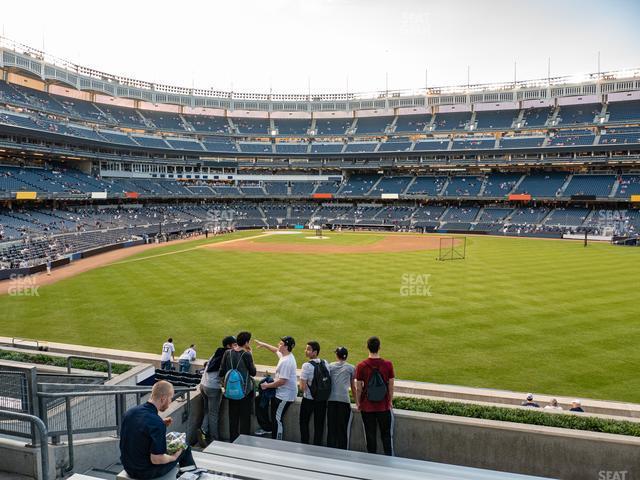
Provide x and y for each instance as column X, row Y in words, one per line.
column 188, row 356
column 210, row 388
column 374, row 392
column 553, row 405
column 284, row 383
column 576, row 406
column 315, row 383
column 529, row 402
column 168, row 350
column 237, row 364
column 339, row 414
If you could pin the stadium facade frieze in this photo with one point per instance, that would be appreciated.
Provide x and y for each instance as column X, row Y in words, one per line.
column 26, row 60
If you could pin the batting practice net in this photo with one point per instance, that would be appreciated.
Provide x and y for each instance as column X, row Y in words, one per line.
column 452, row 248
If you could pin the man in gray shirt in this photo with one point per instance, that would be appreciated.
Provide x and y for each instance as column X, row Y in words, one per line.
column 339, row 405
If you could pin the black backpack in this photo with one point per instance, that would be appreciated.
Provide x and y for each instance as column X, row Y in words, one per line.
column 376, row 387
column 320, row 386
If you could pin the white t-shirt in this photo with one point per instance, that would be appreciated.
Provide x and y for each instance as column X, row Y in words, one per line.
column 189, row 354
column 286, row 370
column 167, row 351
column 551, row 407
column 307, row 375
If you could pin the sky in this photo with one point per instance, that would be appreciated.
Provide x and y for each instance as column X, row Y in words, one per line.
column 331, row 46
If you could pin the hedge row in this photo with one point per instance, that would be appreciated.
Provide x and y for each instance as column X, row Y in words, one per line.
column 42, row 359
column 530, row 416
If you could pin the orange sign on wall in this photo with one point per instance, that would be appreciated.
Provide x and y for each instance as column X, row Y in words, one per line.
column 635, row 198
column 520, row 196
column 131, row 194
column 322, row 195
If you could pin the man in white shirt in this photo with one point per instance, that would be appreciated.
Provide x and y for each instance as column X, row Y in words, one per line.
column 188, row 356
column 284, row 383
column 167, row 355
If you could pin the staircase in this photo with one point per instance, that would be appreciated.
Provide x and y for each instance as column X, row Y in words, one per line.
column 148, row 123
column 408, row 186
column 519, row 119
column 614, row 189
column 564, row 186
column 483, row 186
column 187, row 126
column 373, row 187
column 554, row 116
column 515, row 187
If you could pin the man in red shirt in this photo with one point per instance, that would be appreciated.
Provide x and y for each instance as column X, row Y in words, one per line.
column 374, row 385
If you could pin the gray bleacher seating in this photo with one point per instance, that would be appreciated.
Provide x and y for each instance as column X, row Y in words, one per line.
column 346, row 464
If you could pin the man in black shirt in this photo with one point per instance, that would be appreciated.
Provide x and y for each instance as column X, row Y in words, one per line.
column 239, row 358
column 143, row 438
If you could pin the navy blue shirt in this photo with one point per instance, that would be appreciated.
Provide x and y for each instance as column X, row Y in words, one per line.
column 143, row 433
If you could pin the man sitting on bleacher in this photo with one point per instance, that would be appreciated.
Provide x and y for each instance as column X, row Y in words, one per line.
column 143, row 438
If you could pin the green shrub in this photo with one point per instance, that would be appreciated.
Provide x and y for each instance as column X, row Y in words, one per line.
column 42, row 359
column 516, row 415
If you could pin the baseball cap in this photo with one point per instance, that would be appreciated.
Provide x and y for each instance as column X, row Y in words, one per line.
column 529, row 396
column 342, row 352
column 229, row 340
column 289, row 342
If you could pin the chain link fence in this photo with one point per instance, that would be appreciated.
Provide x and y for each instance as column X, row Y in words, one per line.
column 15, row 397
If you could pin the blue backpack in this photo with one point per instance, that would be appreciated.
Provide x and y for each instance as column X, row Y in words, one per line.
column 234, row 382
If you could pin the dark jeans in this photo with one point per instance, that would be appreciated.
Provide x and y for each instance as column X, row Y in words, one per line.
column 263, row 414
column 240, row 416
column 319, row 411
column 154, row 471
column 384, row 421
column 185, row 366
column 166, row 365
column 338, row 424
column 278, row 410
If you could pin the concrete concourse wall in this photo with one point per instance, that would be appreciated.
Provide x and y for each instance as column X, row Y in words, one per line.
column 504, row 446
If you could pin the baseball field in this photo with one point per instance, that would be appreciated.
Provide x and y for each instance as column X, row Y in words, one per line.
column 545, row 316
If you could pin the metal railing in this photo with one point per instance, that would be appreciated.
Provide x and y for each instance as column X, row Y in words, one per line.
column 40, row 427
column 67, row 413
column 70, row 359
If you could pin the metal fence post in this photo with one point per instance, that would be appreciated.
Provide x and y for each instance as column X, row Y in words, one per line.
column 67, row 401
column 32, row 398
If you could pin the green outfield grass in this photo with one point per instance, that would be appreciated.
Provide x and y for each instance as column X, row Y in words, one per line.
column 528, row 315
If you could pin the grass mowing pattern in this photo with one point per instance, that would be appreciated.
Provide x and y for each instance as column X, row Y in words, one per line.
column 528, row 315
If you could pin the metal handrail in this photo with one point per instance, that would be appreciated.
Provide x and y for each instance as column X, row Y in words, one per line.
column 79, row 357
column 127, row 391
column 43, row 434
column 119, row 405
